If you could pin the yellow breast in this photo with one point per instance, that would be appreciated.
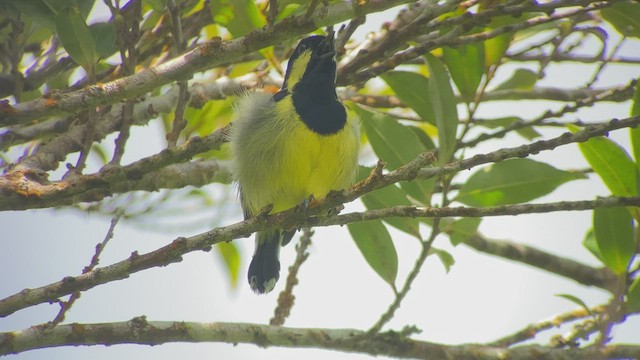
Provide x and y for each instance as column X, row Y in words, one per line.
column 313, row 164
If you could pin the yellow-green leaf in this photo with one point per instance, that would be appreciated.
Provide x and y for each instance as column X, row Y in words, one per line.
column 513, row 181
column 238, row 16
column 375, row 244
column 624, row 16
column 591, row 244
column 522, row 79
column 76, row 38
column 231, row 258
column 466, row 65
column 635, row 131
column 495, row 48
column 396, row 144
column 633, row 296
column 613, row 228
column 387, row 197
column 612, row 163
column 445, row 257
column 104, row 35
column 413, row 90
column 444, row 108
column 460, row 230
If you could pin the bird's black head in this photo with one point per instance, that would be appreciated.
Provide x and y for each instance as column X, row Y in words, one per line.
column 310, row 79
column 313, row 60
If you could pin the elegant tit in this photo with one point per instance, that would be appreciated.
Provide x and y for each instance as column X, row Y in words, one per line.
column 291, row 146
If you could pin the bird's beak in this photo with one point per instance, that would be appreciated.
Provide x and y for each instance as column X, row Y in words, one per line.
column 327, row 47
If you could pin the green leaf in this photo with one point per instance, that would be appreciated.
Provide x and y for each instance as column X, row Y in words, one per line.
column 38, row 11
column 445, row 257
column 522, row 79
column 104, row 34
column 466, row 65
column 59, row 5
column 238, row 16
column 387, row 197
column 460, row 230
column 528, row 133
column 156, row 5
column 495, row 48
column 513, row 181
column 591, row 244
column 392, row 142
column 499, row 122
column 633, row 296
column 444, row 108
column 99, row 151
column 213, row 115
column 375, row 244
column 577, row 301
column 612, row 163
column 624, row 16
column 396, row 144
column 76, row 38
column 613, row 228
column 231, row 258
column 413, row 90
column 635, row 131
column 423, row 137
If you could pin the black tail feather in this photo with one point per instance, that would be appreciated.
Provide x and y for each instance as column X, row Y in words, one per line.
column 264, row 269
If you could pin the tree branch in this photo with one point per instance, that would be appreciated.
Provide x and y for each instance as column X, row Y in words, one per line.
column 141, row 331
column 286, row 299
column 439, row 41
column 174, row 251
column 20, row 191
column 532, row 330
column 47, row 156
column 292, row 219
column 207, row 55
column 584, row 274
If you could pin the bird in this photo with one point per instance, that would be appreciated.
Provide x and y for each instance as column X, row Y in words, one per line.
column 291, row 147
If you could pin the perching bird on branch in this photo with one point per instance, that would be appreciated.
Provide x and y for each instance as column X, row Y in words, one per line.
column 290, row 147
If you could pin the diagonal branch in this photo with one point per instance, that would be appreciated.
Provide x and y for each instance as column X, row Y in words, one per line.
column 568, row 268
column 532, row 330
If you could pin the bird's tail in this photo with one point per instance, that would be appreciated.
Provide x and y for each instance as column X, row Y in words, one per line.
column 264, row 270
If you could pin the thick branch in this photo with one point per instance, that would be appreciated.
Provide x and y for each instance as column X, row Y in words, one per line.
column 19, row 192
column 141, row 331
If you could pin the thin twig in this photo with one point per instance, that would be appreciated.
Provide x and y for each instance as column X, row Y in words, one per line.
column 530, row 331
column 567, row 109
column 65, row 306
column 605, row 62
column 179, row 122
column 286, row 299
column 273, row 12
